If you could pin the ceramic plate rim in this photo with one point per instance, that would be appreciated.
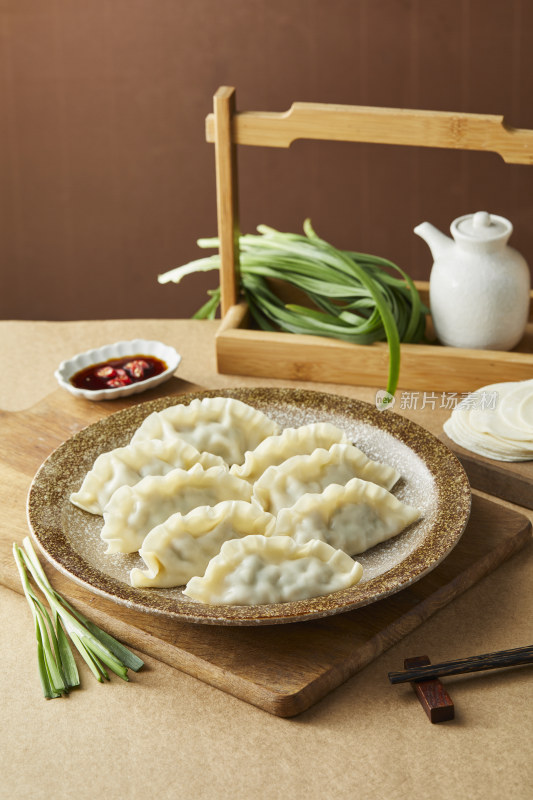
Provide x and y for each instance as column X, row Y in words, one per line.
column 450, row 479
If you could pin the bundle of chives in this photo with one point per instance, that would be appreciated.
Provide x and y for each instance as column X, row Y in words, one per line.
column 57, row 667
column 353, row 296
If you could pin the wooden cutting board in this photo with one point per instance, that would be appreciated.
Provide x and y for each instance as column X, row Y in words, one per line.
column 282, row 669
column 512, row 481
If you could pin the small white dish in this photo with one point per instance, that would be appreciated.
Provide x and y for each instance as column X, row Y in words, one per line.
column 68, row 368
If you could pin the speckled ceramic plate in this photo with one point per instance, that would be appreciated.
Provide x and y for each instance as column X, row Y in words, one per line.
column 432, row 479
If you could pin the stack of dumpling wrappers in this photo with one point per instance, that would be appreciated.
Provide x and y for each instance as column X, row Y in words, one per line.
column 495, row 421
column 215, row 496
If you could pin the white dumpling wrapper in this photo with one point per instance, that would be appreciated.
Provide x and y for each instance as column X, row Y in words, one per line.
column 291, row 442
column 182, row 546
column 353, row 518
column 220, row 425
column 258, row 570
column 503, row 432
column 459, row 430
column 281, row 486
column 134, row 510
column 504, row 421
column 126, row 466
column 519, row 406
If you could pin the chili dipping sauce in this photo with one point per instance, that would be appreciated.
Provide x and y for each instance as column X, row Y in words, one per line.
column 118, row 372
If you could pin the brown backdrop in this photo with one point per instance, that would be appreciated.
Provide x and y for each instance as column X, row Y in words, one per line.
column 106, row 179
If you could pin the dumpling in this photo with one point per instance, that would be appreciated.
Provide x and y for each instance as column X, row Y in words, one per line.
column 220, row 425
column 182, row 546
column 281, row 486
column 134, row 510
column 352, row 518
column 291, row 442
column 273, row 569
column 126, row 466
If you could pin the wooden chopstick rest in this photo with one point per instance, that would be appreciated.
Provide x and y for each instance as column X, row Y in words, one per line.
column 432, row 695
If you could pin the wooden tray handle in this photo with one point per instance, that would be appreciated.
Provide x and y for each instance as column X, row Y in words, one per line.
column 382, row 126
column 227, row 196
column 228, row 128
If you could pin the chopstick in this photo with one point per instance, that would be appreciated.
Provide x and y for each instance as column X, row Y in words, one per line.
column 501, row 658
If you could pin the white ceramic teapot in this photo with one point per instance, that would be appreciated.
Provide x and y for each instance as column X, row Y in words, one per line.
column 479, row 286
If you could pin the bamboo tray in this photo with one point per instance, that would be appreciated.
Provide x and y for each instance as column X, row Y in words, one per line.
column 241, row 350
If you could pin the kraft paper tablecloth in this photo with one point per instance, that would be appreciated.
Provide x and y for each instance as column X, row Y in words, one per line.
column 167, row 735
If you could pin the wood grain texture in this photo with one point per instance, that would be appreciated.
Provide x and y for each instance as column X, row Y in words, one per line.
column 419, row 669
column 431, row 693
column 227, row 197
column 245, row 351
column 241, row 351
column 111, row 173
column 281, row 669
column 511, row 481
column 398, row 126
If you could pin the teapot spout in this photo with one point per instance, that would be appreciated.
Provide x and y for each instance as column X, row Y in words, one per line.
column 437, row 242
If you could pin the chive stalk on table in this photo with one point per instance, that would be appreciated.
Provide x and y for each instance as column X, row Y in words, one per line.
column 353, row 296
column 57, row 668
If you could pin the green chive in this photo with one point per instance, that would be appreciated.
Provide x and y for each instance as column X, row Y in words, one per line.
column 57, row 668
column 353, row 296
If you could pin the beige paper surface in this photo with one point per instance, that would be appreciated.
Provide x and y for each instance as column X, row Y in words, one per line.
column 166, row 734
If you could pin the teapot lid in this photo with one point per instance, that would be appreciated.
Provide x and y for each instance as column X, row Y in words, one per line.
column 481, row 227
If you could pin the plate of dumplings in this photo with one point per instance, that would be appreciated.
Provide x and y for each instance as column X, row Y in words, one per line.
column 249, row 506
